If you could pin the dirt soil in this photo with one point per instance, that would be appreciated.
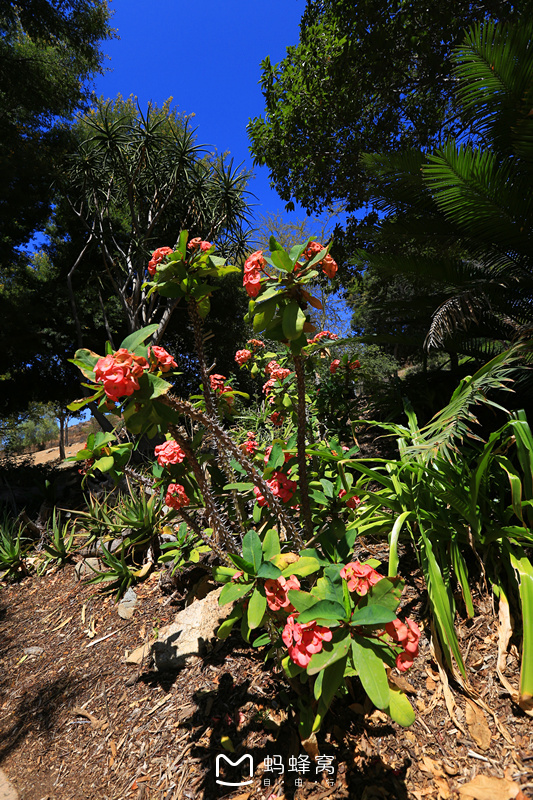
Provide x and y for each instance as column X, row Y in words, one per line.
column 76, row 722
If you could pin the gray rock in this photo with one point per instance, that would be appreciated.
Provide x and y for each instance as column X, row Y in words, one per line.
column 127, row 604
column 33, row 651
column 88, row 567
column 187, row 637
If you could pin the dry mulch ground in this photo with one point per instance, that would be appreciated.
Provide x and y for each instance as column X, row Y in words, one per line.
column 76, row 722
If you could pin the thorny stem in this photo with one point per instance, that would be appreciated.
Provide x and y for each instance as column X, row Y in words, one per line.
column 199, row 532
column 215, row 518
column 199, row 344
column 184, row 407
column 209, row 401
column 302, row 462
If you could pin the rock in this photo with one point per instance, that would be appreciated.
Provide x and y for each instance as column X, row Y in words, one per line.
column 185, row 638
column 88, row 567
column 127, row 604
column 33, row 651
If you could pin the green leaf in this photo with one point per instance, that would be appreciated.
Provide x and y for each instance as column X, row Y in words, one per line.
column 263, row 315
column 226, row 626
column 277, row 456
column 387, row 592
column 372, row 615
column 256, row 607
column 86, row 361
column 268, row 570
column 400, row 709
column 301, row 600
column 271, row 545
column 293, row 320
column 304, row 566
column 104, row 464
column 139, row 337
column 242, row 487
column 371, row 671
column 252, row 550
column 220, row 574
column 233, row 591
column 324, row 609
column 261, row 641
column 331, row 651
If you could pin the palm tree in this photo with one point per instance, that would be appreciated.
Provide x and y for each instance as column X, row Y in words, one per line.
column 458, row 222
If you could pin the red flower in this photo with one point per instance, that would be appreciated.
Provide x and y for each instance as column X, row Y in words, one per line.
column 218, row 383
column 252, row 283
column 176, row 497
column 353, row 502
column 407, row 635
column 323, row 335
column 276, row 418
column 329, row 266
column 242, row 356
column 360, row 577
column 157, row 256
column 334, row 366
column 119, row 373
column 354, row 364
column 196, row 243
column 254, row 262
column 276, row 592
column 303, row 641
column 251, row 445
column 280, row 486
column 255, row 343
column 164, row 361
column 169, row 453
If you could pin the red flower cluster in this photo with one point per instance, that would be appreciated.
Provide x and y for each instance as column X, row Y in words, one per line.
column 164, row 361
column 303, row 641
column 169, row 453
column 323, row 335
column 276, row 418
column 119, row 373
column 252, row 273
column 276, row 373
column 329, row 266
column 252, row 444
column 157, row 256
column 176, row 497
column 256, row 343
column 196, row 243
column 280, row 486
column 360, row 577
column 242, row 356
column 407, row 636
column 334, row 366
column 218, row 382
column 218, row 385
column 353, row 502
column 276, row 592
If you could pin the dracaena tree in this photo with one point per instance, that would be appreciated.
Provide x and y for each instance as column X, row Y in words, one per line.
column 134, row 177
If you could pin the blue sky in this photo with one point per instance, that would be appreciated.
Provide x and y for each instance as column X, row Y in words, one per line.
column 206, row 55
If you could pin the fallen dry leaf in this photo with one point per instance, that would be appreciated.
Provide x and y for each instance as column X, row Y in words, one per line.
column 443, row 788
column 310, row 746
column 402, row 683
column 478, row 726
column 428, row 765
column 483, row 787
